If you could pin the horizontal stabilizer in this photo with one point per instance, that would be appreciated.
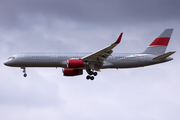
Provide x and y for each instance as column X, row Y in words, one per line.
column 163, row 56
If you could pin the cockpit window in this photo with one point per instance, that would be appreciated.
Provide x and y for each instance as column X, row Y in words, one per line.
column 10, row 58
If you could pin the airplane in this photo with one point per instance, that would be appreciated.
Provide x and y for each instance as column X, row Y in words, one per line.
column 74, row 64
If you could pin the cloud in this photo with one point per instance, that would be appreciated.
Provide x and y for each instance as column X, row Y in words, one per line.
column 91, row 12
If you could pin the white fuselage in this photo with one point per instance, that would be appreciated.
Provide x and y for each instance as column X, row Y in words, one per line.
column 117, row 60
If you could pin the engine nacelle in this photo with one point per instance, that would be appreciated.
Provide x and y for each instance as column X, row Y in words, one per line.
column 72, row 72
column 75, row 63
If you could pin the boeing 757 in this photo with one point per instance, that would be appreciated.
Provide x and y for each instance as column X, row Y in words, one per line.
column 74, row 64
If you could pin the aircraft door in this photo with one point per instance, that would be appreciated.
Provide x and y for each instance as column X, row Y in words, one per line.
column 142, row 58
column 22, row 57
column 54, row 57
column 110, row 58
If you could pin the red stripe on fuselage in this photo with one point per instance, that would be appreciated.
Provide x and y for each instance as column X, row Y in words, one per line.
column 160, row 41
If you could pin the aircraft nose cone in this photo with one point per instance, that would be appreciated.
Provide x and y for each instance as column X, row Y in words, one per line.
column 7, row 63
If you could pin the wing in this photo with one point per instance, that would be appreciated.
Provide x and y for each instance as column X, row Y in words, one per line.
column 102, row 54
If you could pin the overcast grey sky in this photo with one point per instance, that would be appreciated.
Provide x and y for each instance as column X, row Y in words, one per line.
column 148, row 93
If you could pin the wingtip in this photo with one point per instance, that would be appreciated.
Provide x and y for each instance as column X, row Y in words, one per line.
column 119, row 39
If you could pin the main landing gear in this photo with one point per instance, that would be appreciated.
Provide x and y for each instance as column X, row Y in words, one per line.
column 90, row 74
column 24, row 71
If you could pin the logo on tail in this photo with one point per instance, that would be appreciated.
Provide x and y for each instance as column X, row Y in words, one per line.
column 159, row 45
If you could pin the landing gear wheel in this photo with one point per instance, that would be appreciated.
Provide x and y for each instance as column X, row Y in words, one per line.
column 90, row 73
column 92, row 78
column 95, row 73
column 88, row 77
column 24, row 71
column 25, row 75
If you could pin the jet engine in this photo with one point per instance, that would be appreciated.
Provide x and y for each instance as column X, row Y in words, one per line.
column 75, row 63
column 72, row 72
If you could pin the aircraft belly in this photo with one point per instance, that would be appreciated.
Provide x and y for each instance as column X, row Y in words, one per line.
column 40, row 63
column 129, row 64
column 125, row 64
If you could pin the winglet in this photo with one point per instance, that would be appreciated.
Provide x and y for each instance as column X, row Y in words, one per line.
column 119, row 39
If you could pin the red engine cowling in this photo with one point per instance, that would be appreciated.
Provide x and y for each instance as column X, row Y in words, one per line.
column 75, row 63
column 72, row 72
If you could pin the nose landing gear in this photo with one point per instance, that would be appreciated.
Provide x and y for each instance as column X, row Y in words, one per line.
column 24, row 71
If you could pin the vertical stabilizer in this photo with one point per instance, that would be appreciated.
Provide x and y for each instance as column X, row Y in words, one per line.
column 159, row 45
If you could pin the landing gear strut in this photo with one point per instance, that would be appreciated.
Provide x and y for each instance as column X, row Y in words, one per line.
column 90, row 74
column 24, row 71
